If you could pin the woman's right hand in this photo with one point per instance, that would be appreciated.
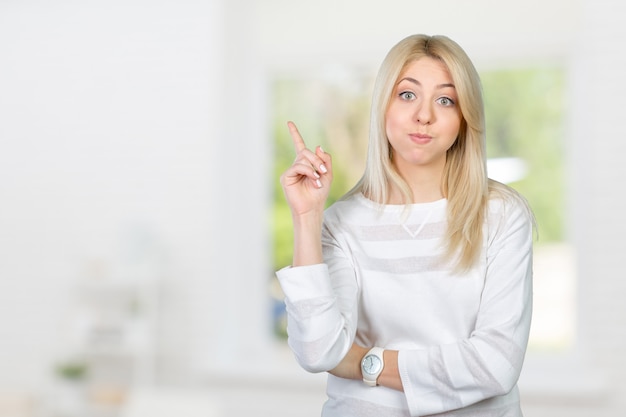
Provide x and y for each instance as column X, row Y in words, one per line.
column 306, row 183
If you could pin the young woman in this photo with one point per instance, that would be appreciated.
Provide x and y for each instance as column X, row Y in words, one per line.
column 415, row 290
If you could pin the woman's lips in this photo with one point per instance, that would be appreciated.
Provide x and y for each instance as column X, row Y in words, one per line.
column 420, row 138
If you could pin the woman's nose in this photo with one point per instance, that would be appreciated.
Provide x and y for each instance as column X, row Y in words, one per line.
column 423, row 114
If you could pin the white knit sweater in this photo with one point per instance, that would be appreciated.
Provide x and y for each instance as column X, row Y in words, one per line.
column 461, row 338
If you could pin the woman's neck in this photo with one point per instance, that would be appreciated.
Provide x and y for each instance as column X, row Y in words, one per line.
column 420, row 195
column 425, row 185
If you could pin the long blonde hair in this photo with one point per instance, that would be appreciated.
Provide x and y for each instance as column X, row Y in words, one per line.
column 464, row 182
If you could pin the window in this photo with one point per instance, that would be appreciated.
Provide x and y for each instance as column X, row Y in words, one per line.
column 524, row 115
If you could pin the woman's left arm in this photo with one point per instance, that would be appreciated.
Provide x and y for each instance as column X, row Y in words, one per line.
column 350, row 367
column 489, row 362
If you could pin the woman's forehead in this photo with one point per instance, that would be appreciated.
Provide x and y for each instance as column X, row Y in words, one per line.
column 426, row 68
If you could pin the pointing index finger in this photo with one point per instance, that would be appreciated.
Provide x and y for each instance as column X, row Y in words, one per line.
column 298, row 142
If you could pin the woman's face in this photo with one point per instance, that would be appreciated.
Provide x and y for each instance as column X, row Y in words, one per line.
column 423, row 118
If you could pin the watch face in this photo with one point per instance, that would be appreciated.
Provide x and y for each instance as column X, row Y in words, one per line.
column 371, row 364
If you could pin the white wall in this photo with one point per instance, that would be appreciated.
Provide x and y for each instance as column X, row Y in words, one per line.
column 597, row 183
column 133, row 127
column 310, row 35
column 110, row 114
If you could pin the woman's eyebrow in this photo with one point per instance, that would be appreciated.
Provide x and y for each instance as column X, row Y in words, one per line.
column 414, row 81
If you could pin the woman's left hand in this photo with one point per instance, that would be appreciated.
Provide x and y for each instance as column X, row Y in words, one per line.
column 350, row 365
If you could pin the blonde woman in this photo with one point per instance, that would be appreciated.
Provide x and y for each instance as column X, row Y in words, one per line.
column 414, row 292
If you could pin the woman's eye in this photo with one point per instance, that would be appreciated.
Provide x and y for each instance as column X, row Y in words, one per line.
column 407, row 95
column 446, row 101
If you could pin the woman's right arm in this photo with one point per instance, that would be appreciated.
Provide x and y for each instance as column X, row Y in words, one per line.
column 321, row 312
column 306, row 184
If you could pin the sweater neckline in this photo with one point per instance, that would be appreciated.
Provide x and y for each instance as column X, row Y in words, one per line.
column 432, row 205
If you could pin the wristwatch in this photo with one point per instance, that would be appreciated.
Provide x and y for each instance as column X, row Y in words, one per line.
column 372, row 365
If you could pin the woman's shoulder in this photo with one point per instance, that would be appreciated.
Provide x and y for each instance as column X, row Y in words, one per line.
column 506, row 205
column 348, row 205
column 356, row 209
column 502, row 197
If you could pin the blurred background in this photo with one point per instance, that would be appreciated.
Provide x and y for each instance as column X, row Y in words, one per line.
column 141, row 219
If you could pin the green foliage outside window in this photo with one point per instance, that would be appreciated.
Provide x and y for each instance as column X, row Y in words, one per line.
column 524, row 117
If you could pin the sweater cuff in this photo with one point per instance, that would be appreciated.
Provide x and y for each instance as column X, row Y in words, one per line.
column 419, row 395
column 305, row 282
